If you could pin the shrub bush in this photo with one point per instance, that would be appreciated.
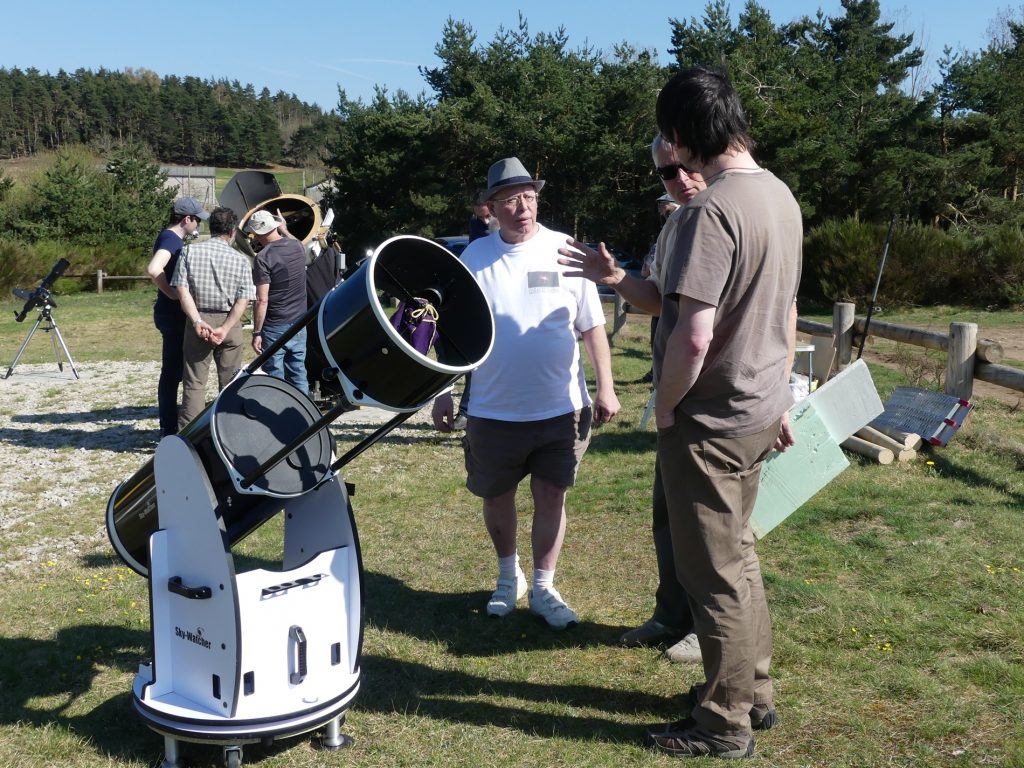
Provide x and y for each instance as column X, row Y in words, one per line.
column 992, row 267
column 24, row 265
column 842, row 257
column 17, row 265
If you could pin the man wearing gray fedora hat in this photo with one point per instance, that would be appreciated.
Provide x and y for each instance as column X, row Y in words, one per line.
column 530, row 413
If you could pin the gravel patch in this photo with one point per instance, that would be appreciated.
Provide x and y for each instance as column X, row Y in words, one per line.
column 67, row 443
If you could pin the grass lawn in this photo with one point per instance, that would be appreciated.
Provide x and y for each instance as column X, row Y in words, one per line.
column 896, row 596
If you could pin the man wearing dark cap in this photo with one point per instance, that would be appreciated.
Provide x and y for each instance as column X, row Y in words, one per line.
column 186, row 217
column 530, row 413
column 279, row 272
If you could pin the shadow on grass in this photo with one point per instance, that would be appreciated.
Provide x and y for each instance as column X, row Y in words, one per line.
column 457, row 620
column 969, row 477
column 391, row 686
column 626, row 440
column 44, row 679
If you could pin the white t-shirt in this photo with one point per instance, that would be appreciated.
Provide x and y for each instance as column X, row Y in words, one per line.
column 534, row 370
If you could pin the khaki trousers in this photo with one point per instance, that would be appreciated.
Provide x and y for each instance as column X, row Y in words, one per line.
column 710, row 486
column 227, row 355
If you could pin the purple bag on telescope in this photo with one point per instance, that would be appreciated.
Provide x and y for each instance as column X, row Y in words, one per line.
column 416, row 322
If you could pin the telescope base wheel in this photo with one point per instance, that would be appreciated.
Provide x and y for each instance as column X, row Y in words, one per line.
column 233, row 756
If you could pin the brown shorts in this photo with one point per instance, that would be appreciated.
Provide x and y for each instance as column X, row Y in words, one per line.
column 501, row 453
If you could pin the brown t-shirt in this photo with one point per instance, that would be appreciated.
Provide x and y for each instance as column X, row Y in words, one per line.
column 738, row 247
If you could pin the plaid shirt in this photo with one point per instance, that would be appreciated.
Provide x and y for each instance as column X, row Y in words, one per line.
column 215, row 274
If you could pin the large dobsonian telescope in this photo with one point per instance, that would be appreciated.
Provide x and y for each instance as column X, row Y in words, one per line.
column 241, row 657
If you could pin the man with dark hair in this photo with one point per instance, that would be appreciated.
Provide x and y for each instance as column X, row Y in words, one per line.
column 481, row 223
column 722, row 356
column 214, row 285
column 279, row 271
column 186, row 216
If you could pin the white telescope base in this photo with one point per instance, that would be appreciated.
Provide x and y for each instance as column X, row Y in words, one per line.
column 248, row 657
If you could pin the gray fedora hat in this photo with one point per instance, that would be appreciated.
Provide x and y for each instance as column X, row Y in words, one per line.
column 508, row 173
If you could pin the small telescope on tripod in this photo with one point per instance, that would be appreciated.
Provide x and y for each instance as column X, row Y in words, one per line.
column 242, row 657
column 40, row 298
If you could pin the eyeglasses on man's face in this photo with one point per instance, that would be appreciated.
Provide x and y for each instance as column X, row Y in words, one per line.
column 528, row 199
column 669, row 172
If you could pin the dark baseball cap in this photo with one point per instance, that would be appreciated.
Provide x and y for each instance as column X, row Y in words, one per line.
column 189, row 206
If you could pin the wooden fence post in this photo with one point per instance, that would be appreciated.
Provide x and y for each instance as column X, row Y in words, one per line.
column 842, row 327
column 99, row 281
column 960, row 360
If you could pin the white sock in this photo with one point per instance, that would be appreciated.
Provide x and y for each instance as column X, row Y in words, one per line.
column 543, row 579
column 508, row 567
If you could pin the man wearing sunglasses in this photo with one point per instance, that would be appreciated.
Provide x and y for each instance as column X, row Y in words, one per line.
column 531, row 413
column 186, row 216
column 671, row 623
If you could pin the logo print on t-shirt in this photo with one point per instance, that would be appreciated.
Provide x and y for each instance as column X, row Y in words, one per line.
column 542, row 281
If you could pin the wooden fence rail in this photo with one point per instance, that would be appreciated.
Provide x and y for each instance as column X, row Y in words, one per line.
column 102, row 277
column 967, row 357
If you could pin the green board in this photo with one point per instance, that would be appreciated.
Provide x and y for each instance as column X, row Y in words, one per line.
column 791, row 478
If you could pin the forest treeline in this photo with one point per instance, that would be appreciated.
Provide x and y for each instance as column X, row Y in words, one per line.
column 838, row 106
column 181, row 119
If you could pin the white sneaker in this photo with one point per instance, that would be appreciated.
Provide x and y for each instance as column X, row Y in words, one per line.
column 506, row 595
column 686, row 651
column 550, row 606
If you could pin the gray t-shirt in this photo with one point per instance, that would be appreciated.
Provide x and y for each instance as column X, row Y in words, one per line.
column 282, row 263
column 738, row 246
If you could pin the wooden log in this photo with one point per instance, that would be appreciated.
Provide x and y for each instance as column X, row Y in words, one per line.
column 824, row 357
column 901, row 452
column 988, row 350
column 876, row 437
column 813, row 328
column 960, row 359
column 1003, row 375
column 872, row 451
column 916, row 336
column 909, row 441
column 842, row 327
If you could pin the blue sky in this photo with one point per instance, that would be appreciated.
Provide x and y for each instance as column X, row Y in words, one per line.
column 312, row 48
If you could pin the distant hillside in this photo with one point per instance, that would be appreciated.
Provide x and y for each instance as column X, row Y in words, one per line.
column 182, row 120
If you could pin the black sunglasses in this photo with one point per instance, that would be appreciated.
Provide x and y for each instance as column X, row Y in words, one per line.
column 669, row 172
